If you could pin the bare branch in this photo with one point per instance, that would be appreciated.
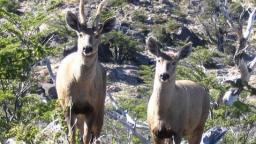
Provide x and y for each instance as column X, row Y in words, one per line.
column 225, row 12
column 129, row 127
column 245, row 75
column 211, row 39
column 250, row 22
column 47, row 62
column 129, row 123
column 252, row 65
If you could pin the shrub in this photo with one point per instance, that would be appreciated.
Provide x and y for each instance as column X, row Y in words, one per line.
column 21, row 46
column 123, row 47
column 9, row 5
column 139, row 16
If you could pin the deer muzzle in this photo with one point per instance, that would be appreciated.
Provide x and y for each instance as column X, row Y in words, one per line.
column 87, row 49
column 164, row 77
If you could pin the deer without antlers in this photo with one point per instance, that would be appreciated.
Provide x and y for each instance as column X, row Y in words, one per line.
column 176, row 108
column 81, row 79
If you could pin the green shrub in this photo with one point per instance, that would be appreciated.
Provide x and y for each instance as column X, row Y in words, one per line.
column 117, row 3
column 9, row 5
column 139, row 16
column 21, row 47
column 136, row 107
column 172, row 25
column 123, row 47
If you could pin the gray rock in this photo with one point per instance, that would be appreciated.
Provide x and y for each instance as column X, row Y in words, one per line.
column 185, row 34
column 127, row 74
column 47, row 90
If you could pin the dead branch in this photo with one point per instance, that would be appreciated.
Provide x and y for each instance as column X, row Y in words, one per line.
column 130, row 124
column 245, row 75
column 250, row 22
column 47, row 62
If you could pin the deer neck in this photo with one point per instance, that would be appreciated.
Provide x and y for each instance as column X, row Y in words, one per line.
column 163, row 91
column 88, row 68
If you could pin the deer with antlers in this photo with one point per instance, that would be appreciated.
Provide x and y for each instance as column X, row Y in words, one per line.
column 81, row 79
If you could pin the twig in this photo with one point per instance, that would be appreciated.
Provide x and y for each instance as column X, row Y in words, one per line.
column 126, row 125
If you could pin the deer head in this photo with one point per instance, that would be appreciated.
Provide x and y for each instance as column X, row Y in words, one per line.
column 89, row 37
column 166, row 62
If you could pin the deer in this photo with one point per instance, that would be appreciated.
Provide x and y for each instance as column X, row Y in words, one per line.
column 81, row 79
column 176, row 108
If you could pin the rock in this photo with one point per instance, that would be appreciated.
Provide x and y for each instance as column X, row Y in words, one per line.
column 142, row 59
column 52, row 133
column 185, row 34
column 113, row 88
column 47, row 90
column 231, row 96
column 13, row 141
column 136, row 35
column 212, row 63
column 135, row 2
column 213, row 135
column 126, row 73
column 124, row 27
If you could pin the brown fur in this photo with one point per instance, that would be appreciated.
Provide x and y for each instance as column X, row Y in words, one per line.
column 82, row 89
column 81, row 80
column 176, row 108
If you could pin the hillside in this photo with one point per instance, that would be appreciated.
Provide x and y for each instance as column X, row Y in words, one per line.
column 35, row 38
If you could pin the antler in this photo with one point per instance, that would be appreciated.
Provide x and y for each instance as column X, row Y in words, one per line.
column 81, row 12
column 97, row 18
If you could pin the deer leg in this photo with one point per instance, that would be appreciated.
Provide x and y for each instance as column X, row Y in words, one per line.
column 169, row 141
column 70, row 119
column 85, row 127
column 86, row 133
column 97, row 126
column 196, row 136
column 157, row 140
column 177, row 139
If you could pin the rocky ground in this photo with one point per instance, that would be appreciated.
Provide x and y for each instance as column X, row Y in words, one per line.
column 124, row 80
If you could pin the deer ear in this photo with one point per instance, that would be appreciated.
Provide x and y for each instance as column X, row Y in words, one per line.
column 185, row 51
column 72, row 20
column 152, row 46
column 108, row 25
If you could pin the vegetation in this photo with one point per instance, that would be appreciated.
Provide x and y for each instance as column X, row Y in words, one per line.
column 22, row 45
column 123, row 47
column 28, row 37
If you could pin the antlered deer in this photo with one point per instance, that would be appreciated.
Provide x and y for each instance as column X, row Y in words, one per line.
column 176, row 108
column 81, row 80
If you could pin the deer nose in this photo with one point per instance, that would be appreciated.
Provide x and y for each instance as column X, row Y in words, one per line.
column 87, row 49
column 164, row 76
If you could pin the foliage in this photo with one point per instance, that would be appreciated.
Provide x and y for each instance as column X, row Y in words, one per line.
column 22, row 45
column 9, row 5
column 139, row 16
column 137, row 107
column 172, row 25
column 146, row 72
column 117, row 3
column 123, row 47
column 106, row 14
